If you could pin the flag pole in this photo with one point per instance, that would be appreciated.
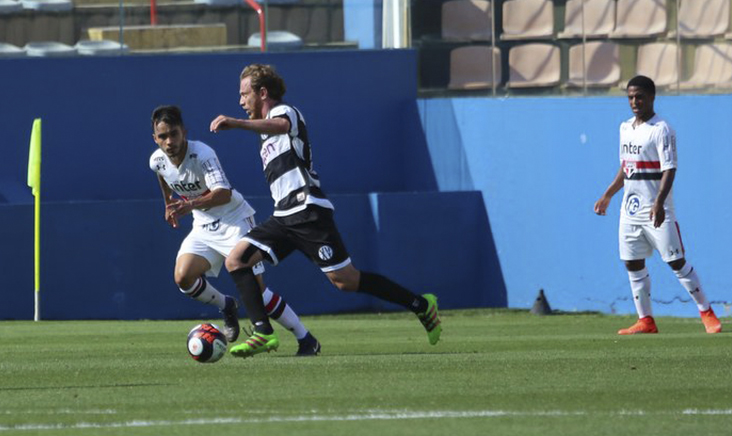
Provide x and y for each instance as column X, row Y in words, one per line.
column 34, row 182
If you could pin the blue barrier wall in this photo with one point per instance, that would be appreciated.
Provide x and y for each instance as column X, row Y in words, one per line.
column 106, row 252
column 114, row 259
column 541, row 163
column 359, row 105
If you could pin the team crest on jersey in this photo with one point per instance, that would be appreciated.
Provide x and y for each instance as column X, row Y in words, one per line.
column 629, row 169
column 632, row 205
column 325, row 252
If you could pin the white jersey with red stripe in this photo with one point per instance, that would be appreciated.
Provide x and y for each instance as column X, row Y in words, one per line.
column 646, row 151
column 198, row 174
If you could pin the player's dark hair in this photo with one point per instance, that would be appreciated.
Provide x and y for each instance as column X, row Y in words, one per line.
column 264, row 76
column 170, row 115
column 643, row 82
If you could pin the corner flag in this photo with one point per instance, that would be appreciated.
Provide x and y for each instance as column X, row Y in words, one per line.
column 34, row 158
column 34, row 182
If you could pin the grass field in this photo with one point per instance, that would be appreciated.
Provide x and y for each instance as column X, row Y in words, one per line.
column 493, row 373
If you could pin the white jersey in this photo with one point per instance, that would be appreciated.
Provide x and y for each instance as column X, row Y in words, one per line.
column 646, row 151
column 198, row 174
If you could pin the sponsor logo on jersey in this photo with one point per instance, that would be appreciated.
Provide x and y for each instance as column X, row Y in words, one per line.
column 193, row 155
column 629, row 148
column 265, row 152
column 186, row 187
column 325, row 252
column 632, row 206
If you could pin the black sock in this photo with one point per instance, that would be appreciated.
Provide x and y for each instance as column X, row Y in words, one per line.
column 251, row 296
column 383, row 288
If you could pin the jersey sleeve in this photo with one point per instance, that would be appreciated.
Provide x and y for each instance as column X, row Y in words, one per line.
column 288, row 113
column 155, row 162
column 666, row 146
column 213, row 173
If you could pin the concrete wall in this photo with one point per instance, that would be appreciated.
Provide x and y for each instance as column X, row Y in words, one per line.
column 541, row 163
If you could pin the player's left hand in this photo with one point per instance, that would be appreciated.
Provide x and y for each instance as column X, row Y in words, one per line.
column 658, row 214
column 178, row 209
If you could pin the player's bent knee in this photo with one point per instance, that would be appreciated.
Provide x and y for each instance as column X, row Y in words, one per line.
column 184, row 280
column 344, row 284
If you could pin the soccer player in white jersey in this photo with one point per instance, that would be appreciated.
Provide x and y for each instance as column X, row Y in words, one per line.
column 647, row 218
column 221, row 217
column 303, row 216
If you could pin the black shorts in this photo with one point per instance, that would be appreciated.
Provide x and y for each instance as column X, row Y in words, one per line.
column 311, row 231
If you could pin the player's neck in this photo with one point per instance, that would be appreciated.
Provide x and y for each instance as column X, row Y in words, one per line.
column 642, row 118
column 178, row 159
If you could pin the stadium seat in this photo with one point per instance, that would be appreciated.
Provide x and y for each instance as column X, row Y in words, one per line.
column 146, row 37
column 534, row 65
column 10, row 6
column 10, row 50
column 472, row 67
column 527, row 19
column 603, row 64
column 712, row 67
column 599, row 18
column 703, row 18
column 49, row 49
column 48, row 5
column 100, row 48
column 640, row 19
column 659, row 61
column 466, row 20
column 277, row 40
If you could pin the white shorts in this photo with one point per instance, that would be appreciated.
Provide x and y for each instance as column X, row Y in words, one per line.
column 637, row 241
column 215, row 241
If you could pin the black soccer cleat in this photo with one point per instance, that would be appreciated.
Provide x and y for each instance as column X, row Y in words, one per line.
column 231, row 319
column 308, row 346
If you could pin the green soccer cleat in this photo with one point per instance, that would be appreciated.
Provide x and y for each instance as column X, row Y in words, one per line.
column 431, row 319
column 255, row 344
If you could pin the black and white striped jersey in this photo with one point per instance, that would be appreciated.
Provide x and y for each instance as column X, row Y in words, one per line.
column 288, row 165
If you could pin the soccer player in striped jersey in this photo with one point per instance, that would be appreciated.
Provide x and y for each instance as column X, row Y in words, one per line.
column 647, row 217
column 303, row 215
column 221, row 217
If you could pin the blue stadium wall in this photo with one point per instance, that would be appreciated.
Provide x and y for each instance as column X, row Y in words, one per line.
column 541, row 163
column 106, row 252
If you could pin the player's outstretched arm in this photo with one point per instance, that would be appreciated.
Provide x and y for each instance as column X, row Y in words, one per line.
column 273, row 126
column 604, row 201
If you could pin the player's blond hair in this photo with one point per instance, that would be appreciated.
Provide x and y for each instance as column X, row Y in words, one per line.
column 264, row 76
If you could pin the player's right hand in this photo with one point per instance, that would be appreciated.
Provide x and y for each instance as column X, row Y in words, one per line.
column 222, row 122
column 601, row 205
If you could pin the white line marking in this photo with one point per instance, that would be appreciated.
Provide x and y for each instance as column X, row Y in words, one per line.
column 372, row 416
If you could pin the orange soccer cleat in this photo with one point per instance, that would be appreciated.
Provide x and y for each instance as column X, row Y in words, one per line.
column 711, row 322
column 643, row 325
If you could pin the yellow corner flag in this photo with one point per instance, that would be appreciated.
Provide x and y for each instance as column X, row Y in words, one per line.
column 34, row 182
column 34, row 158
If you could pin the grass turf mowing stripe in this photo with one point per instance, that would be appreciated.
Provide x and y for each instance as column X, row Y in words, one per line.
column 371, row 416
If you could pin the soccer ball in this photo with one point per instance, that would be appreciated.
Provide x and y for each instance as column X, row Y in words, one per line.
column 206, row 343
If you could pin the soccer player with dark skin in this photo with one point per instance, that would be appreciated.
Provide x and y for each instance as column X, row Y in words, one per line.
column 303, row 218
column 647, row 173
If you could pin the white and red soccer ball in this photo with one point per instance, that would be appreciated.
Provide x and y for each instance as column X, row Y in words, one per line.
column 206, row 343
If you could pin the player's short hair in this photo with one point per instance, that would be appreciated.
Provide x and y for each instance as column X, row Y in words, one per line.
column 264, row 76
column 643, row 82
column 168, row 114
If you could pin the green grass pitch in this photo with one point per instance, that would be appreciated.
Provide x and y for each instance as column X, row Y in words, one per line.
column 495, row 372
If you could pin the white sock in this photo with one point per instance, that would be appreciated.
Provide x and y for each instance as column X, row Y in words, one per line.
column 690, row 281
column 640, row 284
column 280, row 311
column 203, row 291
